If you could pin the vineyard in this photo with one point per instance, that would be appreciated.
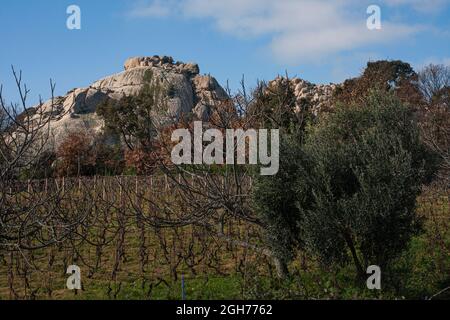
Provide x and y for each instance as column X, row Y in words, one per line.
column 132, row 240
column 114, row 242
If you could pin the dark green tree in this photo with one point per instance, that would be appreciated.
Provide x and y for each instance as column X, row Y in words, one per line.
column 357, row 176
column 368, row 166
column 133, row 117
column 274, row 199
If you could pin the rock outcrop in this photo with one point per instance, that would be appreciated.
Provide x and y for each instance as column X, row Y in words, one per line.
column 191, row 93
column 316, row 97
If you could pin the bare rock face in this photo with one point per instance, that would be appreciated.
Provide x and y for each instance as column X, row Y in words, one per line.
column 207, row 92
column 316, row 97
column 163, row 62
column 191, row 93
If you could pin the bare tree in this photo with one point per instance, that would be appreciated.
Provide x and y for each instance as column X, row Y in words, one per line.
column 28, row 219
column 433, row 80
column 25, row 130
column 209, row 196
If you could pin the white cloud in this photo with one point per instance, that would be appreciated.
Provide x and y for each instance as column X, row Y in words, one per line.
column 306, row 45
column 155, row 8
column 425, row 6
column 298, row 29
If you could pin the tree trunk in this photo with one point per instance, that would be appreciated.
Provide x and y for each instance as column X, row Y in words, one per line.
column 281, row 267
column 358, row 265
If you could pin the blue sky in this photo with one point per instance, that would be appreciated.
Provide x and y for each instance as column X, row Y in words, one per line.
column 319, row 40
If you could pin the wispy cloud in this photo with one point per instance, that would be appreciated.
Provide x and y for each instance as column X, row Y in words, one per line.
column 425, row 6
column 298, row 29
column 155, row 8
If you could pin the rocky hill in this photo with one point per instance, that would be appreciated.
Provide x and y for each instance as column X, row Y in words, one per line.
column 192, row 93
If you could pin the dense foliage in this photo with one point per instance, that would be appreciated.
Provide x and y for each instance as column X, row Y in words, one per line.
column 354, row 184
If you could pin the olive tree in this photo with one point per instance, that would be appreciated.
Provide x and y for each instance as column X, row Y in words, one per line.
column 357, row 175
column 367, row 168
column 274, row 199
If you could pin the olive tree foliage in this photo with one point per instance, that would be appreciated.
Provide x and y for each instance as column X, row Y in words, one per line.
column 368, row 166
column 273, row 197
column 357, row 175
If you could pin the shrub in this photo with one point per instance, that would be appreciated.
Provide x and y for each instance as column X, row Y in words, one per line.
column 75, row 155
column 274, row 106
column 109, row 156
